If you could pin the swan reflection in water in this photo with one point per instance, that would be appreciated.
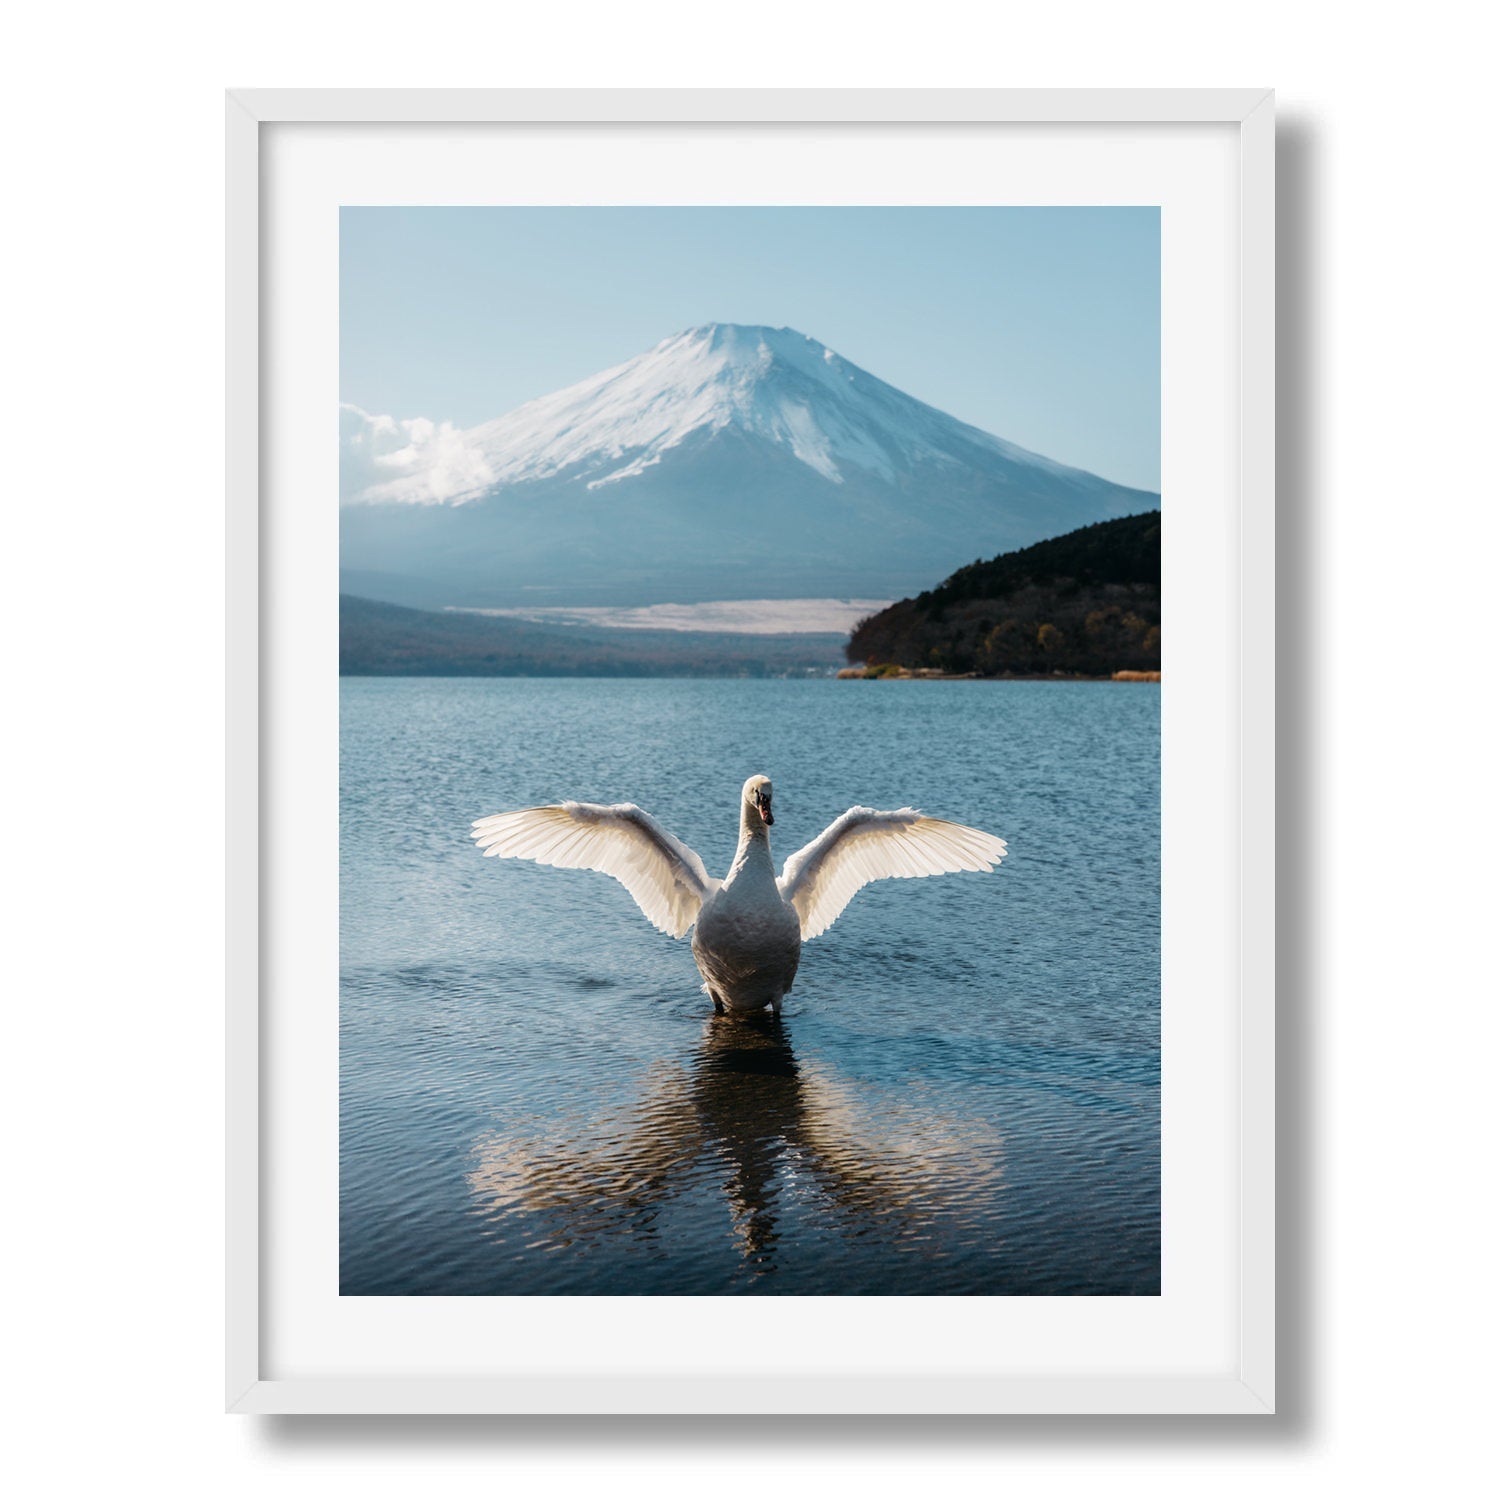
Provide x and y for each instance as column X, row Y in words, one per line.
column 773, row 1136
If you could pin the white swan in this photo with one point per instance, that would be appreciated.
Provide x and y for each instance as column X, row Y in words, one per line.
column 750, row 926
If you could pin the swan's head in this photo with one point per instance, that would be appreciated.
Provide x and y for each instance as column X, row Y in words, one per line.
column 757, row 795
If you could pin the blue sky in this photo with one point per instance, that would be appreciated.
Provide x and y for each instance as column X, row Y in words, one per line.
column 1041, row 325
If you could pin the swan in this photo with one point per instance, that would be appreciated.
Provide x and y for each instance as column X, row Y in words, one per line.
column 749, row 927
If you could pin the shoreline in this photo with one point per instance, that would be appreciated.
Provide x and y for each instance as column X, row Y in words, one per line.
column 929, row 674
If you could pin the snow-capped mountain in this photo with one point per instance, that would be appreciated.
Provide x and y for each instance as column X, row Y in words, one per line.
column 727, row 462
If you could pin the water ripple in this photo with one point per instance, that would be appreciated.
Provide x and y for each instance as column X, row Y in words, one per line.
column 963, row 1096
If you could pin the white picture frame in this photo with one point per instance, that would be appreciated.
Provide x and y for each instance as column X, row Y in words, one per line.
column 258, row 707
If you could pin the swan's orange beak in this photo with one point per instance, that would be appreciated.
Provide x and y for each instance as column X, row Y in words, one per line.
column 763, row 804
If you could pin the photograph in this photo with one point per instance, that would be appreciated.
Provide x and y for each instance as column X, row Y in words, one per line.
column 750, row 635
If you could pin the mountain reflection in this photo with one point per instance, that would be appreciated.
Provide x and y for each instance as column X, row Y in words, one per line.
column 775, row 1139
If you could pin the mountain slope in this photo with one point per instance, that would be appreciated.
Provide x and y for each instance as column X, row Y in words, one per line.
column 1088, row 602
column 727, row 462
column 386, row 640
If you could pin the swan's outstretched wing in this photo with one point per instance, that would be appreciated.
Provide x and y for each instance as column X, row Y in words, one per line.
column 666, row 878
column 866, row 845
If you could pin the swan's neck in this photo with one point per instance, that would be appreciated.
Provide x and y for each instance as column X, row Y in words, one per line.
column 754, row 852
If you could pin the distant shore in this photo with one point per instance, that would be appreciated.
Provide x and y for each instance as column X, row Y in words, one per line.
column 932, row 674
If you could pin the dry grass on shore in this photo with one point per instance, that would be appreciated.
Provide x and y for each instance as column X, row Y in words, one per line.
column 888, row 672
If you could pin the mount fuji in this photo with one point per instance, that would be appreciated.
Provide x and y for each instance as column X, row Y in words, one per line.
column 728, row 462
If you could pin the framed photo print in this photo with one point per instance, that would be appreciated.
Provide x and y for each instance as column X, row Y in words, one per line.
column 751, row 645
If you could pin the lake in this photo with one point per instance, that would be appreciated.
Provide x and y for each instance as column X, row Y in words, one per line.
column 962, row 1096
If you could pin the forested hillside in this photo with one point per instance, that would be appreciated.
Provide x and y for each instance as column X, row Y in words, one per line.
column 1086, row 604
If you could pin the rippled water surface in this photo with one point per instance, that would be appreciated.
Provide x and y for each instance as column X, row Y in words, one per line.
column 962, row 1094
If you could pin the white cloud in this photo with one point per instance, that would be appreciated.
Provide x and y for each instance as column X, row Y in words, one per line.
column 411, row 460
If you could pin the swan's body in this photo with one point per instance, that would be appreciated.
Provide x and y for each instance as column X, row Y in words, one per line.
column 747, row 940
column 750, row 926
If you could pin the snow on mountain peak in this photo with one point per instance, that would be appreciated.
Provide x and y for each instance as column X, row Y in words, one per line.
column 775, row 384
